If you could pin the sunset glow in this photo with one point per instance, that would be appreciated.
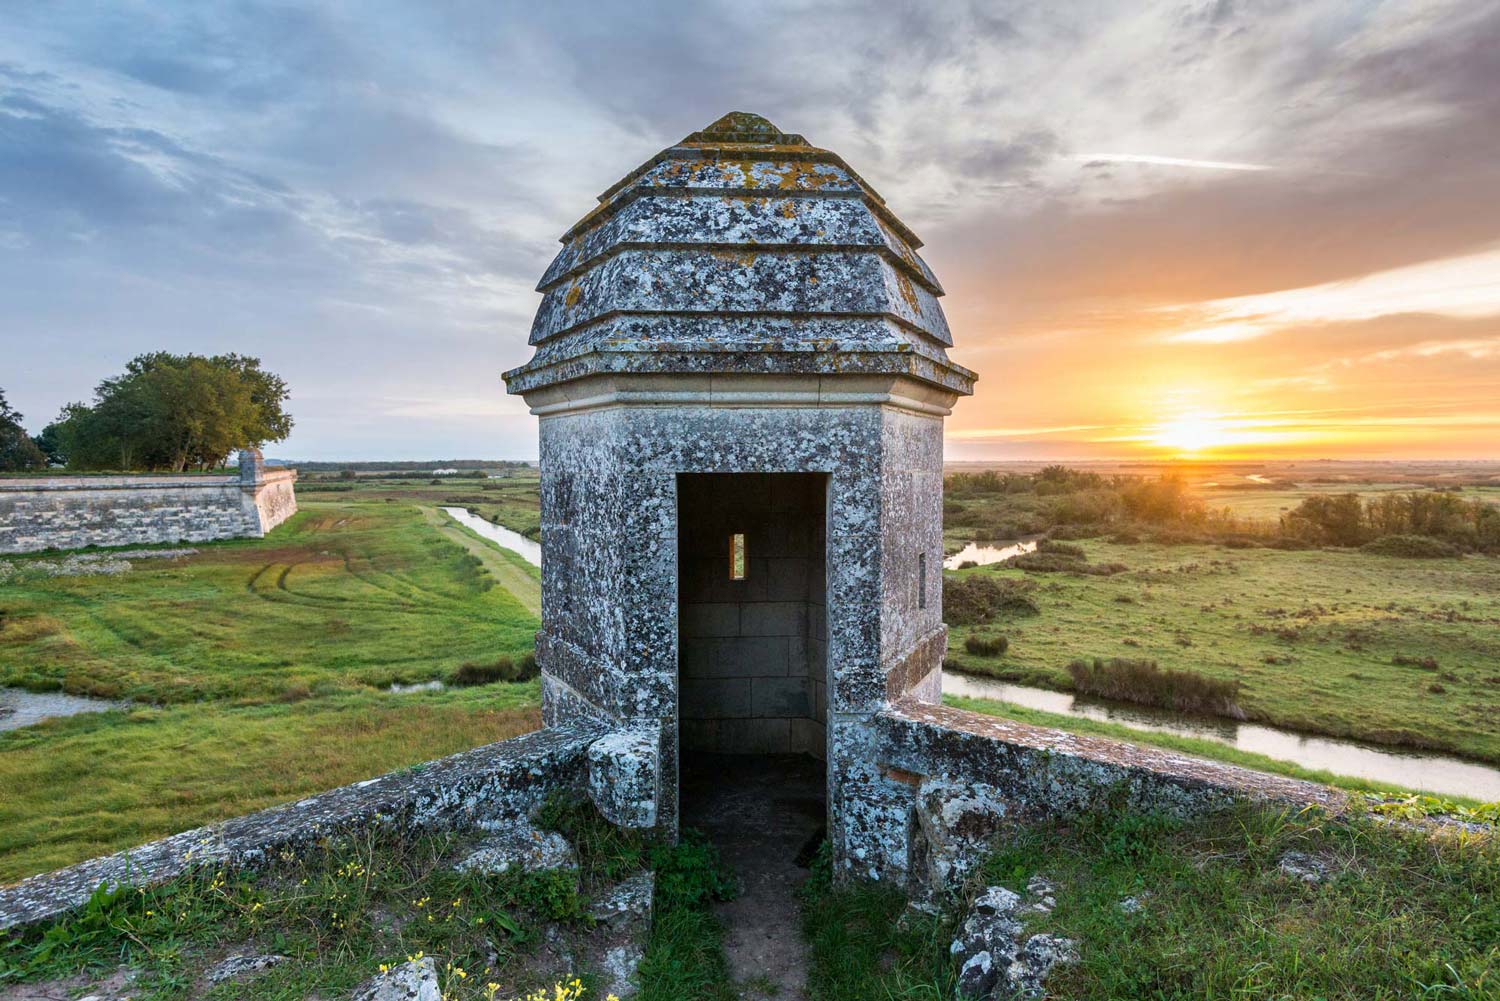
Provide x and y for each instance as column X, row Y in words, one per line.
column 1164, row 230
column 1192, row 433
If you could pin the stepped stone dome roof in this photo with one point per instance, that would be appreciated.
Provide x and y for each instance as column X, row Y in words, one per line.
column 741, row 249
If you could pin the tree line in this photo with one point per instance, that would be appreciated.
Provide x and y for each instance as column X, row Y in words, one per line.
column 1071, row 503
column 164, row 413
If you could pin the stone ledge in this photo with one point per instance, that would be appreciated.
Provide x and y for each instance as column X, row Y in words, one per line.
column 1041, row 771
column 489, row 785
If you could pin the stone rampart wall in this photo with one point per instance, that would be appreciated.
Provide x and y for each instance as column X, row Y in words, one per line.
column 70, row 512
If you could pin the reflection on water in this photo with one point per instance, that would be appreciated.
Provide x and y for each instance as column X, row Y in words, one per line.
column 501, row 536
column 984, row 553
column 1439, row 774
column 434, row 685
column 20, row 708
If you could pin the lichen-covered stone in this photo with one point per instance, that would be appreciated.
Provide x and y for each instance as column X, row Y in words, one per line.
column 981, row 770
column 1304, row 868
column 629, row 902
column 625, row 776
column 241, row 967
column 519, row 847
column 995, row 957
column 956, row 821
column 414, row 980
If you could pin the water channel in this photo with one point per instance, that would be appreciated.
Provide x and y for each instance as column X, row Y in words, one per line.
column 501, row 536
column 1437, row 774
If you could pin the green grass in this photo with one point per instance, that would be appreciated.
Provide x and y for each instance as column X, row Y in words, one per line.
column 860, row 946
column 96, row 783
column 1312, row 636
column 257, row 669
column 355, row 902
column 1405, row 914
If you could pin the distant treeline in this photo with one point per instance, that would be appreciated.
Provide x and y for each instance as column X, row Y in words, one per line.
column 1020, row 504
column 1069, row 503
column 1350, row 520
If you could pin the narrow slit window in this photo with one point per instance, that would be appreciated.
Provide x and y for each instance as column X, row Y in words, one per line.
column 921, row 580
column 737, row 556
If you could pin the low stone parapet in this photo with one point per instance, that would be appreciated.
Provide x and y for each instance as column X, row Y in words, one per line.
column 970, row 775
column 488, row 786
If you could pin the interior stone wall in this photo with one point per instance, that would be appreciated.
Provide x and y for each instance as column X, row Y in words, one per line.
column 751, row 652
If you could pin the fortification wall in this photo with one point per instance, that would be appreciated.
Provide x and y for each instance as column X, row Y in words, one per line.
column 69, row 512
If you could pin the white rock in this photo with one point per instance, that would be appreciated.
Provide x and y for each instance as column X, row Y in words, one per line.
column 628, row 903
column 520, row 848
column 1307, row 868
column 411, row 981
column 234, row 967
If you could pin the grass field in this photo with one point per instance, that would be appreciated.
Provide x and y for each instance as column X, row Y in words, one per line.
column 258, row 670
column 1401, row 914
column 1312, row 635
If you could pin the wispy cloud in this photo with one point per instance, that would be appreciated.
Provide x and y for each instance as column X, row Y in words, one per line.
column 1463, row 287
column 1089, row 159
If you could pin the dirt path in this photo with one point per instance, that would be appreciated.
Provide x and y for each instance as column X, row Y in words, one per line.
column 515, row 579
column 761, row 812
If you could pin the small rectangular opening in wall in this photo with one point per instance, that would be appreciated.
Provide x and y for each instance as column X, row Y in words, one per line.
column 921, row 580
column 737, row 556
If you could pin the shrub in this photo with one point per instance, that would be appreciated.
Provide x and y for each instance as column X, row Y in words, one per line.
column 472, row 673
column 1143, row 682
column 976, row 600
column 1061, row 549
column 1055, row 562
column 986, row 646
column 1417, row 547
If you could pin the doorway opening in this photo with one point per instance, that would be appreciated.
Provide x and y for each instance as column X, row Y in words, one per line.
column 752, row 641
column 752, row 677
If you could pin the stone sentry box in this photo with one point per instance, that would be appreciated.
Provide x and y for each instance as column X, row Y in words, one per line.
column 740, row 339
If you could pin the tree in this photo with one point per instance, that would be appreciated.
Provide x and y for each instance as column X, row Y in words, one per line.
column 18, row 453
column 175, row 412
column 51, row 443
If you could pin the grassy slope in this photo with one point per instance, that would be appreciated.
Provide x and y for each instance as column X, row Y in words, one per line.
column 522, row 580
column 265, row 654
column 1310, row 634
column 343, row 596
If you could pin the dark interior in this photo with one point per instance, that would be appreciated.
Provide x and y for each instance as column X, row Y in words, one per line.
column 752, row 661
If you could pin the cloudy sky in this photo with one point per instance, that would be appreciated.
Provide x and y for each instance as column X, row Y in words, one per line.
column 1229, row 227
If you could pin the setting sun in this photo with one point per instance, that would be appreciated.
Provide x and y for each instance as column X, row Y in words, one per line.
column 1193, row 432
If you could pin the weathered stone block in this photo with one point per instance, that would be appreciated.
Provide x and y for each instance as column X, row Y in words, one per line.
column 624, row 776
